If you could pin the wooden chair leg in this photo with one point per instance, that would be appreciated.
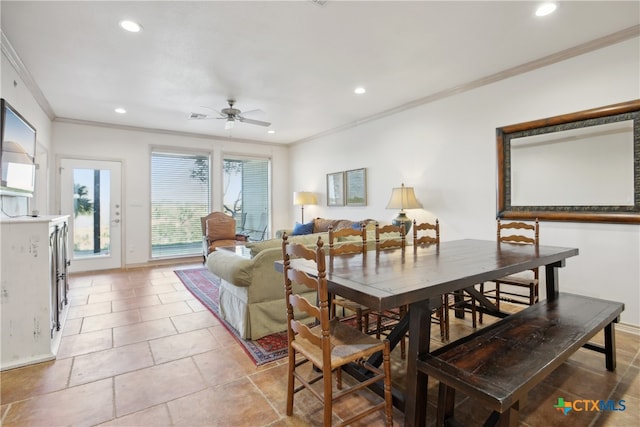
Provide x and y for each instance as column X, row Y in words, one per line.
column 386, row 365
column 532, row 299
column 480, row 319
column 446, row 404
column 473, row 313
column 327, row 397
column 365, row 324
column 359, row 319
column 290, row 381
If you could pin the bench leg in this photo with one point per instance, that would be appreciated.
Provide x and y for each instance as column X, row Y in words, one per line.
column 610, row 347
column 509, row 418
column 446, row 403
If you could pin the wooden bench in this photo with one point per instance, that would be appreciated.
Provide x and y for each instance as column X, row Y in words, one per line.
column 502, row 362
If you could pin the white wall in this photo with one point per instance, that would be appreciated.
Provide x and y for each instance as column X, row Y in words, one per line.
column 133, row 149
column 447, row 151
column 14, row 90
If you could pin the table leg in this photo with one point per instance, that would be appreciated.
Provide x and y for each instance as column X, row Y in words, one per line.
column 415, row 409
column 551, row 276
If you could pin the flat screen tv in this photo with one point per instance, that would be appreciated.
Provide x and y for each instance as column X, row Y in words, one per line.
column 17, row 154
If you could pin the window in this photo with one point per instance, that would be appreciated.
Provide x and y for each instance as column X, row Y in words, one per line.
column 247, row 196
column 179, row 197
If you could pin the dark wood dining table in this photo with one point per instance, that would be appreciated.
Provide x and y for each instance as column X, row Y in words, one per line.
column 417, row 277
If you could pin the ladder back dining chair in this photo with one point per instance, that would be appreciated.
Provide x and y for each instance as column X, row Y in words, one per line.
column 327, row 344
column 426, row 234
column 516, row 232
column 349, row 241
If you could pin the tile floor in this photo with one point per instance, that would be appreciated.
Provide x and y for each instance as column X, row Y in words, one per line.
column 139, row 350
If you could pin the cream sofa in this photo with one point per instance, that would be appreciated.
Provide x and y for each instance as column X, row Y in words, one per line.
column 251, row 290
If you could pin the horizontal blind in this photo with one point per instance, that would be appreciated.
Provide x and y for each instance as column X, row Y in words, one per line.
column 179, row 198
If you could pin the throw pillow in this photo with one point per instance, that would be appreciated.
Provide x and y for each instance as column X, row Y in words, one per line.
column 302, row 229
column 356, row 226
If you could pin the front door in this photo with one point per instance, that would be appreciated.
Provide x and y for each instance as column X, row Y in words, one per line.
column 90, row 193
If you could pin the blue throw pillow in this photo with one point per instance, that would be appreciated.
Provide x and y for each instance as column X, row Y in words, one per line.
column 301, row 229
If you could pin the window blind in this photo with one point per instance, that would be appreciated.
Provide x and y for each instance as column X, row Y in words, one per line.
column 179, row 198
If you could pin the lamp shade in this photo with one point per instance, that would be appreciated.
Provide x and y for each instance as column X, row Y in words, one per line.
column 403, row 198
column 304, row 198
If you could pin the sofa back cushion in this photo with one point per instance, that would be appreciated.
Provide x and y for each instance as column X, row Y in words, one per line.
column 221, row 227
column 257, row 247
column 321, row 225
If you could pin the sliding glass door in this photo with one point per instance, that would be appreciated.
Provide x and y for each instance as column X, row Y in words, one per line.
column 247, row 194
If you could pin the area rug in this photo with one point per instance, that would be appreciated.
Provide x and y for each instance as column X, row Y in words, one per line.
column 205, row 286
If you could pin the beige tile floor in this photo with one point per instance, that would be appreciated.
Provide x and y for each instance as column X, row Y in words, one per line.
column 139, row 350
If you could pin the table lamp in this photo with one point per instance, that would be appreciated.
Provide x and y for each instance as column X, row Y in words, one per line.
column 403, row 198
column 304, row 198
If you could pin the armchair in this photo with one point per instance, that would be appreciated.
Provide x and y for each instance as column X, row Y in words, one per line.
column 218, row 229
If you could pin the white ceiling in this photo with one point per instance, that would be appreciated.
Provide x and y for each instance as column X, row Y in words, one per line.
column 295, row 61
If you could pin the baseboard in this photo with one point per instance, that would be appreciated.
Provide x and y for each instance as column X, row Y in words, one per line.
column 628, row 328
column 160, row 263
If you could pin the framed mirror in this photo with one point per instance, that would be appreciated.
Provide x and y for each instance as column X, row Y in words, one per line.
column 583, row 166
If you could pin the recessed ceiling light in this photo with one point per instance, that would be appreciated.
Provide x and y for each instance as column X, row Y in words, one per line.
column 359, row 90
column 131, row 26
column 546, row 9
column 271, row 131
column 120, row 110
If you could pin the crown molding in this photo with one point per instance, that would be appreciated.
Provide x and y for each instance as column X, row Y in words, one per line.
column 611, row 39
column 25, row 75
column 164, row 132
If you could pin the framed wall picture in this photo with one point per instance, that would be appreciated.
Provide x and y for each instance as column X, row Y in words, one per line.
column 335, row 189
column 356, row 185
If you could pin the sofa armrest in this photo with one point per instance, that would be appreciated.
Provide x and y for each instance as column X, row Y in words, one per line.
column 231, row 267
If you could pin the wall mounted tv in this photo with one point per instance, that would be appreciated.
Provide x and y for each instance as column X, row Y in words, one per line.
column 17, row 154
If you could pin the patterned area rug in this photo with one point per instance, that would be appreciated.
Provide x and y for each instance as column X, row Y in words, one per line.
column 205, row 286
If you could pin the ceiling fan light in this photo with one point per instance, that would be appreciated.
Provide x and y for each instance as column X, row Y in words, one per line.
column 546, row 9
column 228, row 125
column 131, row 26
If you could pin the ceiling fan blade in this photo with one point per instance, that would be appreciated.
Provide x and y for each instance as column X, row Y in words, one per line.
column 212, row 109
column 200, row 116
column 255, row 113
column 253, row 122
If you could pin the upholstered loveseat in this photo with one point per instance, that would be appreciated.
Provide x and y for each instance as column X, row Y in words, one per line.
column 251, row 290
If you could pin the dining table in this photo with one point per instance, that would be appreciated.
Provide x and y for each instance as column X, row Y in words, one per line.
column 417, row 277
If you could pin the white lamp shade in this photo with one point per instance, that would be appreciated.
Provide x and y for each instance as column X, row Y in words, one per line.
column 403, row 198
column 304, row 198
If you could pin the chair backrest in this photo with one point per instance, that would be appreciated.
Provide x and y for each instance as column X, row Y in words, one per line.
column 394, row 236
column 430, row 236
column 356, row 243
column 219, row 226
column 297, row 302
column 518, row 232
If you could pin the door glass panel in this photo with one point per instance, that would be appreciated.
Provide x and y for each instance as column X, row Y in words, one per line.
column 246, row 195
column 91, row 213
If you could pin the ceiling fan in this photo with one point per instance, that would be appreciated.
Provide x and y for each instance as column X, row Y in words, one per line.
column 231, row 115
